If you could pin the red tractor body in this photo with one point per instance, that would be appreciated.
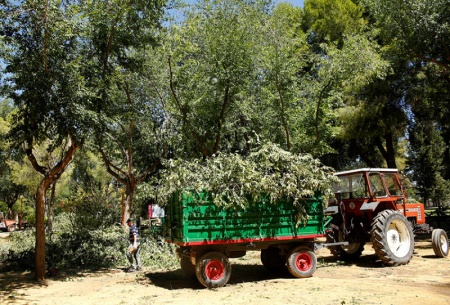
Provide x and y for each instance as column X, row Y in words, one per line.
column 7, row 224
column 371, row 205
column 367, row 191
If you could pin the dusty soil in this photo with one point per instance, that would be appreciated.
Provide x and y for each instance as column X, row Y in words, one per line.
column 425, row 280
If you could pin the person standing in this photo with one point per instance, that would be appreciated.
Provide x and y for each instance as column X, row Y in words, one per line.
column 133, row 248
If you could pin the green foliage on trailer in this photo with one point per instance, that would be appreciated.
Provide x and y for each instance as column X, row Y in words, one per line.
column 267, row 175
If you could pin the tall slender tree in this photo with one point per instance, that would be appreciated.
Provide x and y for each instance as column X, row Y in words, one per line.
column 41, row 54
column 127, row 116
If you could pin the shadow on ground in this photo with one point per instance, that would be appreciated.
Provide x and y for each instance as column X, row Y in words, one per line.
column 245, row 273
column 175, row 279
column 11, row 281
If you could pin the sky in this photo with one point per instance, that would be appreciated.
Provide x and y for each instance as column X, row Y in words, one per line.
column 294, row 2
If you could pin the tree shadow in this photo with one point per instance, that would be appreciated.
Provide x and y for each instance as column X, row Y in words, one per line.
column 11, row 282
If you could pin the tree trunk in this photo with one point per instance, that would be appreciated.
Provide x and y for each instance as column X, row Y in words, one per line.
column 390, row 150
column 388, row 153
column 51, row 175
column 129, row 202
column 50, row 209
column 40, row 229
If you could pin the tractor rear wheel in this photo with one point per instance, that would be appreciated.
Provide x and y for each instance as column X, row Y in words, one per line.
column 439, row 240
column 213, row 270
column 301, row 262
column 392, row 238
column 350, row 252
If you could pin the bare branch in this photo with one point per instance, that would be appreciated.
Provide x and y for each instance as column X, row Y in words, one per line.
column 110, row 166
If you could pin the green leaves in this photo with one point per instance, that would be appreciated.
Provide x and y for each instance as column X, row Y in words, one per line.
column 213, row 60
column 234, row 181
column 418, row 28
column 331, row 20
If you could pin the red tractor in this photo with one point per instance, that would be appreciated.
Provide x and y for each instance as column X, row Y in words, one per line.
column 371, row 205
column 7, row 224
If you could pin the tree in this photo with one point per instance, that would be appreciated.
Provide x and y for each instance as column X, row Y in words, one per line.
column 5, row 146
column 418, row 32
column 284, row 55
column 375, row 121
column 425, row 162
column 332, row 20
column 9, row 191
column 42, row 63
column 335, row 88
column 127, row 116
column 213, row 74
column 133, row 142
column 370, row 120
column 417, row 28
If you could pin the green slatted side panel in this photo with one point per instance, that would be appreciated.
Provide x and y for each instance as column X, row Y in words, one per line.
column 192, row 217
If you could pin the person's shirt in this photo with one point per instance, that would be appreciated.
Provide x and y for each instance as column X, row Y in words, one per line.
column 133, row 232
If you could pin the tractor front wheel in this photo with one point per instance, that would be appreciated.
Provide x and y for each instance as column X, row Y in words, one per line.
column 301, row 262
column 11, row 228
column 392, row 238
column 213, row 270
column 439, row 240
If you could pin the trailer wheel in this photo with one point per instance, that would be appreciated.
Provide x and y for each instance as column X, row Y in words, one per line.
column 213, row 270
column 272, row 260
column 11, row 228
column 301, row 262
column 187, row 267
column 350, row 252
column 392, row 238
column 439, row 240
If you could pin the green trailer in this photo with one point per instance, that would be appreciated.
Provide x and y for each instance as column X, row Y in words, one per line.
column 207, row 236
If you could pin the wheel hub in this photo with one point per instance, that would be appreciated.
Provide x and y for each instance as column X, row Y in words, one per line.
column 214, row 270
column 398, row 238
column 303, row 262
column 444, row 244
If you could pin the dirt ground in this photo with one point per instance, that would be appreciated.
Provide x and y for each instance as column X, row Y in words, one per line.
column 425, row 280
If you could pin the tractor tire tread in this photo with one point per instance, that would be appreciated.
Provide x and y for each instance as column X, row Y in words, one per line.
column 379, row 238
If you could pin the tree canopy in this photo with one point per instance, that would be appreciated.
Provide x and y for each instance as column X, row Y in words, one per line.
column 149, row 96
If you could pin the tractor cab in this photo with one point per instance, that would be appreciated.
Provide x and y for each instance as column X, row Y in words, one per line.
column 368, row 191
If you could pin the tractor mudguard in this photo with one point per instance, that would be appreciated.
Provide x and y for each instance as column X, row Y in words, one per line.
column 369, row 206
column 334, row 209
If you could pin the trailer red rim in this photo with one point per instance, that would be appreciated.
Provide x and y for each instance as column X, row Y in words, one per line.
column 304, row 261
column 214, row 270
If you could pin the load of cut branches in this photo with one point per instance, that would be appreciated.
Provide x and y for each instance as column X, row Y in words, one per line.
column 234, row 181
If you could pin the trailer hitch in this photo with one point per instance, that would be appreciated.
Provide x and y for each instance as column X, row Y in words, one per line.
column 318, row 246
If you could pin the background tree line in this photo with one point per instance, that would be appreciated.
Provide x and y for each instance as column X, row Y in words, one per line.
column 96, row 94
